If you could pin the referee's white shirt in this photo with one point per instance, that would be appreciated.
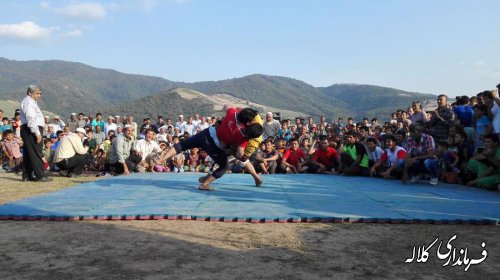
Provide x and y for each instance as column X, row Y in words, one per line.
column 31, row 115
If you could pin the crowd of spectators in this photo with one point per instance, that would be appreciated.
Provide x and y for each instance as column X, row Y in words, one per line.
column 455, row 143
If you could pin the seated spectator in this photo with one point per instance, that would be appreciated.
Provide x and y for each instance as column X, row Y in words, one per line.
column 293, row 158
column 267, row 159
column 145, row 147
column 420, row 157
column 391, row 163
column 178, row 163
column 90, row 142
column 71, row 155
column 99, row 136
column 162, row 136
column 354, row 156
column 193, row 161
column 121, row 160
column 486, row 165
column 374, row 151
column 98, row 161
column 448, row 163
column 47, row 154
column 325, row 160
column 11, row 147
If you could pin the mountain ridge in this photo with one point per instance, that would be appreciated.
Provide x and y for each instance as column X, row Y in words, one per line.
column 69, row 84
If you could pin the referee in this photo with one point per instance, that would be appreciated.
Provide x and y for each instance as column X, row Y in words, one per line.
column 31, row 132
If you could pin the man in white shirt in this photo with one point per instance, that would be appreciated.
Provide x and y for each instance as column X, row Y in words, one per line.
column 202, row 125
column 271, row 127
column 190, row 127
column 71, row 155
column 110, row 125
column 32, row 121
column 197, row 120
column 57, row 124
column 180, row 124
column 147, row 145
column 162, row 136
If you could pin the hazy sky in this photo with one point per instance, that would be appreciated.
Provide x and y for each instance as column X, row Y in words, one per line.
column 450, row 47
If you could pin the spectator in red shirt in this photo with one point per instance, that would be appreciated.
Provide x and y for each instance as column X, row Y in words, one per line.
column 324, row 159
column 293, row 158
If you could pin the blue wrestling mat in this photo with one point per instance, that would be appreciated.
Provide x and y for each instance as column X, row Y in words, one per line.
column 283, row 198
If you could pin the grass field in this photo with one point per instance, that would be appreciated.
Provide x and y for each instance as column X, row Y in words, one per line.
column 207, row 250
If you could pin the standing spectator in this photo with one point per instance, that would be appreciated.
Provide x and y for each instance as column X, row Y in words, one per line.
column 442, row 118
column 71, row 156
column 16, row 124
column 419, row 114
column 58, row 123
column 495, row 111
column 72, row 122
column 197, row 120
column 81, row 120
column 464, row 114
column 98, row 122
column 118, row 122
column 190, row 127
column 180, row 124
column 109, row 126
column 31, row 133
column 203, row 124
column 160, row 123
column 271, row 127
column 482, row 125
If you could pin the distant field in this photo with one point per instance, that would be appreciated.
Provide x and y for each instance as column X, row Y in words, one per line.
column 10, row 106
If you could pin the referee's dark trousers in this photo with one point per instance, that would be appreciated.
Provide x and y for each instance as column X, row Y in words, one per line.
column 32, row 154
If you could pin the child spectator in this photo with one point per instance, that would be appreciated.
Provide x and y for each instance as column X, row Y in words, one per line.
column 193, row 161
column 448, row 161
column 98, row 161
column 178, row 163
column 47, row 154
column 5, row 126
column 285, row 131
column 12, row 150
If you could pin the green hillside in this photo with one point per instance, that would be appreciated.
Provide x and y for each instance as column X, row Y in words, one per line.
column 70, row 87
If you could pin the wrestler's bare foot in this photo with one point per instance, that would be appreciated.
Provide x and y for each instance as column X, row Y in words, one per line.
column 259, row 182
column 204, row 187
